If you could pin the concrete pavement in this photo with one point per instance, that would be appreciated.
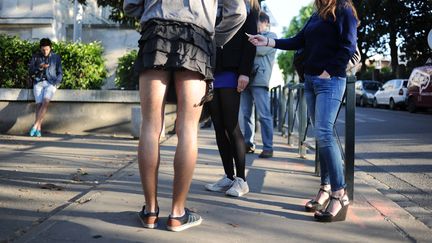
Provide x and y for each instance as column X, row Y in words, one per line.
column 92, row 194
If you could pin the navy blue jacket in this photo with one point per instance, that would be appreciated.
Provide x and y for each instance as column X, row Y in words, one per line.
column 328, row 44
column 53, row 74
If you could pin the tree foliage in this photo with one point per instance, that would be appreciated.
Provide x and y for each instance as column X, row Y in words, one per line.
column 126, row 78
column 83, row 64
column 285, row 59
column 395, row 27
column 398, row 27
column 415, row 44
column 117, row 14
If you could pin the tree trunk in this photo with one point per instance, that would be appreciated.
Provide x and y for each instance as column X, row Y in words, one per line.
column 394, row 52
column 393, row 29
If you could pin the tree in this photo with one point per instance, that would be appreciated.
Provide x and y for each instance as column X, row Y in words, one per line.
column 285, row 59
column 365, row 30
column 380, row 28
column 415, row 47
column 117, row 13
column 384, row 24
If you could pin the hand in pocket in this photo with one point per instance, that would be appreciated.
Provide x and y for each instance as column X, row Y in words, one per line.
column 325, row 74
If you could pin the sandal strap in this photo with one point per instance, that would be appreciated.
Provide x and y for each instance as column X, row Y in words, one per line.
column 339, row 199
column 320, row 190
column 150, row 214
column 187, row 216
column 326, row 191
column 313, row 201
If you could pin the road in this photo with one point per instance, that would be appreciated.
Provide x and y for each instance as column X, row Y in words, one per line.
column 394, row 150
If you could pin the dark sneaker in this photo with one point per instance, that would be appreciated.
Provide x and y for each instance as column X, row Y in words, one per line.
column 250, row 149
column 149, row 219
column 189, row 219
column 266, row 154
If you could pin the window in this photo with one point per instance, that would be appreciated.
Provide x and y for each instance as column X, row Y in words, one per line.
column 374, row 86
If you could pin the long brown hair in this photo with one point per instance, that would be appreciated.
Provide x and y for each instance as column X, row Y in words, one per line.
column 255, row 6
column 327, row 8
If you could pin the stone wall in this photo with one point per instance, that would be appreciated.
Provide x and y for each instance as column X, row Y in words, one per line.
column 74, row 112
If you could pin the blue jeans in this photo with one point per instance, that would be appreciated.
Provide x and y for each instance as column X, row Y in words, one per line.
column 260, row 96
column 323, row 98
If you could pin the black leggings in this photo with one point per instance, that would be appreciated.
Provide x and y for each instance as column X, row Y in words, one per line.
column 224, row 114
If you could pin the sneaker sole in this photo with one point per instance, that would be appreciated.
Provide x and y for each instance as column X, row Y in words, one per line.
column 185, row 226
column 241, row 194
column 214, row 190
column 148, row 226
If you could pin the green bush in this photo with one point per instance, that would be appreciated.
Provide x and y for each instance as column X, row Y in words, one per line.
column 83, row 65
column 126, row 77
column 14, row 59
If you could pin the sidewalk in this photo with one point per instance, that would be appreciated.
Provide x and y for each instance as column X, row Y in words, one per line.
column 102, row 205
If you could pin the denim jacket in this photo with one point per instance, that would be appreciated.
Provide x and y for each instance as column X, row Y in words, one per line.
column 263, row 64
column 53, row 73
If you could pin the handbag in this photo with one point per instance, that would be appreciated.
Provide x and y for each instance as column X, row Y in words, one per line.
column 298, row 62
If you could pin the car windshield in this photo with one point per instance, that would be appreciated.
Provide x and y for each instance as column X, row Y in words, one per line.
column 371, row 86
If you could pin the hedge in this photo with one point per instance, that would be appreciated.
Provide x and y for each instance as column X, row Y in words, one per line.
column 126, row 77
column 83, row 65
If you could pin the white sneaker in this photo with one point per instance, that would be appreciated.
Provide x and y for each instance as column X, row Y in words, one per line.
column 221, row 185
column 239, row 188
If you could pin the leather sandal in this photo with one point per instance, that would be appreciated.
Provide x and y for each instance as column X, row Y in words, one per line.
column 315, row 205
column 149, row 219
column 326, row 216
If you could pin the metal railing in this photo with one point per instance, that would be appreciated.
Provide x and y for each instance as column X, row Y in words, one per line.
column 294, row 105
column 289, row 102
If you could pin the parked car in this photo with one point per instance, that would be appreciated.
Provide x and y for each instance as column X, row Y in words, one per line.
column 365, row 90
column 393, row 93
column 420, row 88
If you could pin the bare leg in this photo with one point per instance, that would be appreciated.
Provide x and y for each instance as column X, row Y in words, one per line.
column 38, row 107
column 40, row 115
column 153, row 85
column 190, row 89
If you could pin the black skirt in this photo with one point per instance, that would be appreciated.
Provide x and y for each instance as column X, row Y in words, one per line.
column 174, row 46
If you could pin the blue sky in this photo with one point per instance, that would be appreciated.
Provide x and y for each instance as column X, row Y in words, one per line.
column 284, row 10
